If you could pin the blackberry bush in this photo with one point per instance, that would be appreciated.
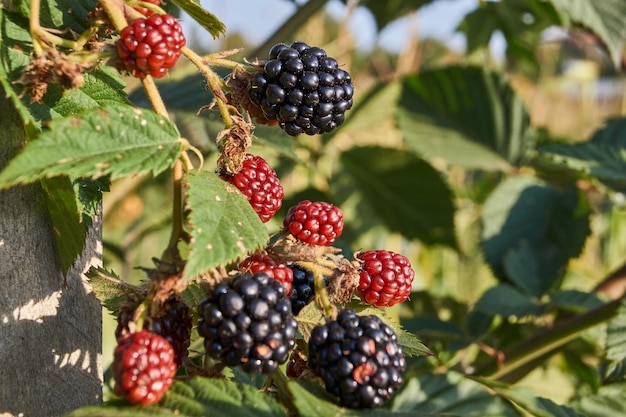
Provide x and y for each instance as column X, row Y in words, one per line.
column 149, row 46
column 385, row 278
column 358, row 358
column 248, row 322
column 259, row 183
column 143, row 367
column 314, row 223
column 303, row 89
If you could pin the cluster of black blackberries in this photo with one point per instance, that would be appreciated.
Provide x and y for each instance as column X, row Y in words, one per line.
column 248, row 322
column 303, row 89
column 359, row 359
column 303, row 285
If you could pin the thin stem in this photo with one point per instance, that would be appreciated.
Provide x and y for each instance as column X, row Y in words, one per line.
column 115, row 11
column 177, row 210
column 546, row 341
column 34, row 26
column 154, row 96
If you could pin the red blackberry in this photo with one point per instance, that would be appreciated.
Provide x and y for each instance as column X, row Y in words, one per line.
column 302, row 88
column 149, row 46
column 174, row 324
column 303, row 287
column 358, row 358
column 258, row 262
column 248, row 322
column 316, row 223
column 385, row 278
column 144, row 10
column 259, row 183
column 143, row 367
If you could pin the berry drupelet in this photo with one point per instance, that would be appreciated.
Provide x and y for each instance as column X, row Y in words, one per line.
column 248, row 322
column 358, row 358
column 302, row 88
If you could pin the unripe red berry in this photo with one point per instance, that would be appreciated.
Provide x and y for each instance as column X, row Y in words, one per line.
column 315, row 223
column 149, row 46
column 386, row 278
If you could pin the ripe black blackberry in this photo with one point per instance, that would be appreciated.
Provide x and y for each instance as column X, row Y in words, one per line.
column 302, row 88
column 174, row 324
column 359, row 359
column 303, row 287
column 248, row 322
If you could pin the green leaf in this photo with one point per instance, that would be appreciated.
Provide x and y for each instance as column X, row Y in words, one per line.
column 526, row 219
column 605, row 18
column 408, row 195
column 467, row 116
column 110, row 289
column 616, row 346
column 603, row 157
column 223, row 224
column 219, row 398
column 507, row 301
column 451, row 393
column 521, row 22
column 574, row 301
column 608, row 402
column 312, row 403
column 387, row 11
column 206, row 19
column 309, row 317
column 67, row 222
column 117, row 139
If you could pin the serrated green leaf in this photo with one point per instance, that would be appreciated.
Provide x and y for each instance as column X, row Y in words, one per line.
column 223, row 224
column 451, row 393
column 110, row 289
column 312, row 402
column 120, row 409
column 116, row 140
column 219, row 398
column 206, row 19
column 506, row 301
column 468, row 116
column 553, row 224
column 603, row 157
column 521, row 267
column 605, row 18
column 395, row 183
column 67, row 222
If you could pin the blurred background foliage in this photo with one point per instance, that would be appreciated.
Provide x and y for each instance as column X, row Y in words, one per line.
column 498, row 174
